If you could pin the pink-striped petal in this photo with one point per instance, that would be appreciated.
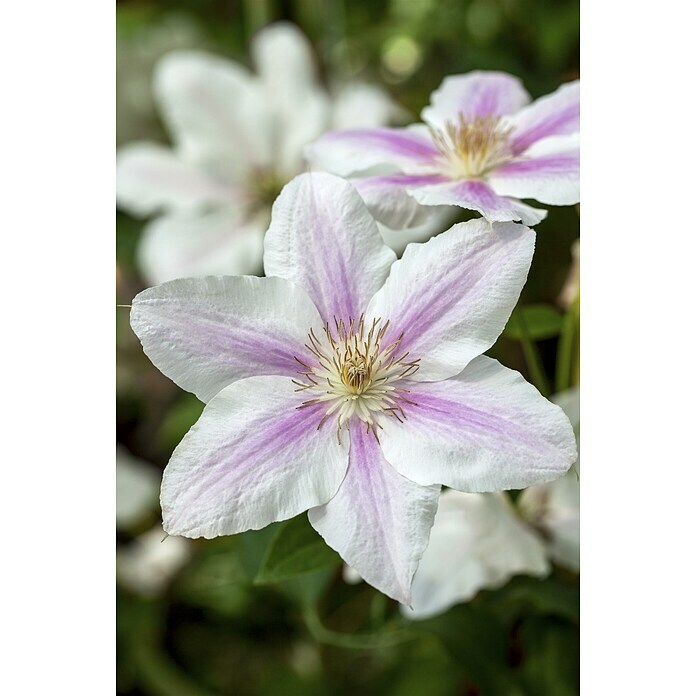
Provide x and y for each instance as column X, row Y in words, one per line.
column 452, row 296
column 205, row 333
column 378, row 521
column 474, row 194
column 485, row 430
column 548, row 172
column 557, row 113
column 475, row 94
column 387, row 199
column 251, row 459
column 323, row 239
column 349, row 151
column 151, row 178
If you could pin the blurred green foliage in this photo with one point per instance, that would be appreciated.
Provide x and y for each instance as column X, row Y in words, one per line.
column 234, row 621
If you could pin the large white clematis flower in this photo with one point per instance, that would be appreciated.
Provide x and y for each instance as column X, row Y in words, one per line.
column 349, row 383
column 555, row 507
column 478, row 541
column 483, row 147
column 237, row 139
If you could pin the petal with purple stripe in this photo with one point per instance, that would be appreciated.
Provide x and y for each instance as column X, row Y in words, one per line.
column 474, row 194
column 251, row 459
column 378, row 521
column 205, row 333
column 485, row 430
column 548, row 172
column 452, row 296
column 387, row 199
column 557, row 113
column 323, row 239
column 349, row 151
column 475, row 94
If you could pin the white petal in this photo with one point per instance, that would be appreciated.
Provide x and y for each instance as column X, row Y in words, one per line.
column 137, row 483
column 378, row 521
column 452, row 296
column 477, row 542
column 218, row 242
column 205, row 333
column 483, row 430
column 360, row 105
column 323, row 239
column 251, row 459
column 151, row 178
column 397, row 239
column 215, row 110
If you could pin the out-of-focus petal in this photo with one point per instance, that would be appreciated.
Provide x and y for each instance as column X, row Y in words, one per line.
column 137, row 485
column 474, row 194
column 485, row 430
column 557, row 113
column 187, row 246
column 378, row 521
column 251, row 459
column 477, row 542
column 205, row 333
column 345, row 152
column 439, row 220
column 150, row 178
column 215, row 110
column 452, row 296
column 323, row 239
column 475, row 94
column 548, row 172
column 360, row 105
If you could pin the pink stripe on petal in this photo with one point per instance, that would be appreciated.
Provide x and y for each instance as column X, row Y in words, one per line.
column 452, row 296
column 323, row 239
column 475, row 94
column 484, row 430
column 252, row 458
column 378, row 521
column 205, row 333
column 555, row 114
column 349, row 151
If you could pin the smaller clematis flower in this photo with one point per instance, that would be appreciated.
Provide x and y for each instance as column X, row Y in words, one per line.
column 350, row 384
column 238, row 139
column 554, row 508
column 483, row 147
column 478, row 542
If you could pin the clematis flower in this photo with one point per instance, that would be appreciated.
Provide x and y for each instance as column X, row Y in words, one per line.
column 478, row 541
column 350, row 384
column 238, row 138
column 483, row 147
column 554, row 508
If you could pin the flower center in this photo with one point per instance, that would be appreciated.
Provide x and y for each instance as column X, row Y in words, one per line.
column 266, row 187
column 472, row 147
column 355, row 376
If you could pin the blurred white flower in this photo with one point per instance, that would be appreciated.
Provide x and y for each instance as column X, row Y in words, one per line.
column 137, row 489
column 571, row 288
column 148, row 563
column 237, row 139
column 477, row 542
column 554, row 508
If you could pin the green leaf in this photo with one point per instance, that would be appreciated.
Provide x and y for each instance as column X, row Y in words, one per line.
column 550, row 650
column 541, row 322
column 478, row 643
column 295, row 549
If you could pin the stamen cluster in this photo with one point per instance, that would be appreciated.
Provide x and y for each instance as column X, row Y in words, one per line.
column 355, row 375
column 472, row 147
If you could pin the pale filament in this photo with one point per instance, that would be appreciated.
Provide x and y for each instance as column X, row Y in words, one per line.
column 473, row 147
column 355, row 376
